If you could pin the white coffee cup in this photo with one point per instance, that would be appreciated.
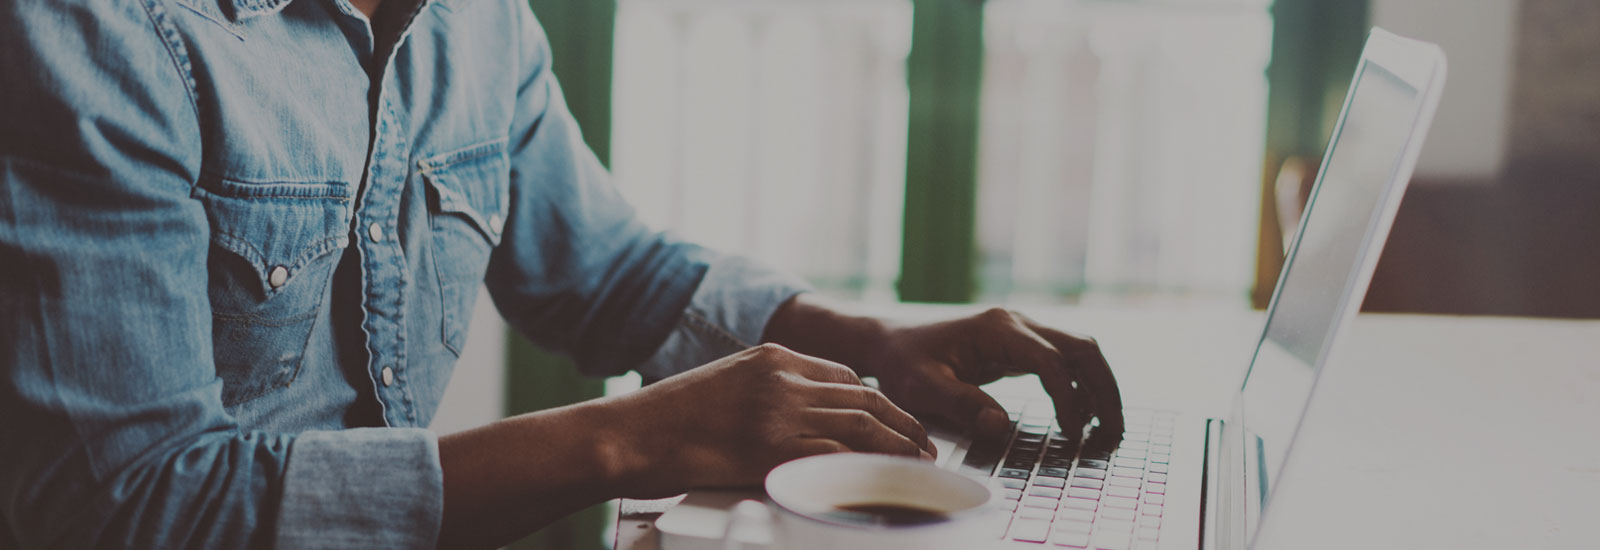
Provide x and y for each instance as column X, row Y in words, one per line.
column 808, row 501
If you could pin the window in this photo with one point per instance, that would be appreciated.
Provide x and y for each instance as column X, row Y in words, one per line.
column 1120, row 149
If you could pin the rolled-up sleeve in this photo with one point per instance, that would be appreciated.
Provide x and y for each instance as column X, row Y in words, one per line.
column 112, row 429
column 578, row 273
column 728, row 313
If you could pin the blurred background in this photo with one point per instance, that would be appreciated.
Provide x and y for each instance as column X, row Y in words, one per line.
column 1048, row 152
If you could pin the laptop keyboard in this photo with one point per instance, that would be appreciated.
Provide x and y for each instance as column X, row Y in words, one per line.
column 1098, row 499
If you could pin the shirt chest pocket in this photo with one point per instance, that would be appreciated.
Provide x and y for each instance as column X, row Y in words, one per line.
column 467, row 207
column 272, row 256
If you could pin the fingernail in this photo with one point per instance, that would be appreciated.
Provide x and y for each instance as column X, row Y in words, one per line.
column 993, row 420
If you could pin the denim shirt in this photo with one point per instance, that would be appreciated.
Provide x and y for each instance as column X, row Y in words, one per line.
column 240, row 242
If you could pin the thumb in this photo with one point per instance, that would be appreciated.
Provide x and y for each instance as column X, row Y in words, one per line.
column 964, row 406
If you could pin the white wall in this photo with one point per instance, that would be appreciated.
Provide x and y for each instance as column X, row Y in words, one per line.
column 1468, row 139
column 476, row 394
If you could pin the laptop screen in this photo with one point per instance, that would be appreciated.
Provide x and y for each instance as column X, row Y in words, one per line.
column 1325, row 263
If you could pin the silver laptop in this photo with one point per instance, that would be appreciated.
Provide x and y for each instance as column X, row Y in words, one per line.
column 1175, row 480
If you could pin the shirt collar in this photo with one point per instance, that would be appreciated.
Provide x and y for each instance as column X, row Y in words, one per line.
column 245, row 9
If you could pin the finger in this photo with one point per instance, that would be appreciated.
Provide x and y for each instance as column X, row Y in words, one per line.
column 1012, row 338
column 1097, row 382
column 810, row 446
column 1006, row 339
column 813, row 368
column 964, row 406
column 861, row 398
column 860, row 431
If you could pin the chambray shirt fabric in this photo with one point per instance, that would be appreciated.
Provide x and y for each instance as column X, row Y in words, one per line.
column 240, row 243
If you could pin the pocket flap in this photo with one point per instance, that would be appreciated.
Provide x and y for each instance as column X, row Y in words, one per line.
column 472, row 183
column 275, row 226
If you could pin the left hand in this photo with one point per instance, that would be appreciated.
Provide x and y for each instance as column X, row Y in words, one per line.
column 934, row 370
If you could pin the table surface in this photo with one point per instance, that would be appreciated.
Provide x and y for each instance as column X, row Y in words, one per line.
column 1424, row 432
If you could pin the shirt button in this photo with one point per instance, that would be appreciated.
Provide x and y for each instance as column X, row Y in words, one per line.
column 278, row 276
column 375, row 231
column 496, row 224
column 388, row 376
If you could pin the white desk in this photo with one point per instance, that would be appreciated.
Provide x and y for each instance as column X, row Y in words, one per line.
column 1425, row 432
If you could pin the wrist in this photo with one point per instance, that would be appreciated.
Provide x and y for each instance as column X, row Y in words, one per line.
column 618, row 449
column 813, row 326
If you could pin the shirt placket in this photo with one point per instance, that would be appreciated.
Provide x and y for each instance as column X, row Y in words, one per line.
column 383, row 263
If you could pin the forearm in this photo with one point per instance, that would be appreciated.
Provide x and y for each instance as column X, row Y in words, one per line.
column 510, row 478
column 810, row 325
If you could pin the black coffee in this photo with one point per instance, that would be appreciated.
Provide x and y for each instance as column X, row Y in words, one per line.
column 894, row 515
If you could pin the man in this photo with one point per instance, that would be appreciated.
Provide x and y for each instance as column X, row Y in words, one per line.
column 241, row 241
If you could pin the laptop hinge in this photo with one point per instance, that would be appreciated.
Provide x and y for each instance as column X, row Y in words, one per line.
column 1211, row 487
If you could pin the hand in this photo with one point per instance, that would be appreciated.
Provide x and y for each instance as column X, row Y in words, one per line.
column 935, row 369
column 729, row 422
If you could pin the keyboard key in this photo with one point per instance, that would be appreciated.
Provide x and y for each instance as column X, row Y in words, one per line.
column 1152, row 498
column 1053, row 472
column 1160, row 458
column 1030, row 530
column 1013, row 494
column 1010, row 483
column 1146, row 533
column 1120, row 514
column 1007, row 505
column 1128, row 492
column 1035, row 513
column 1130, row 453
column 1070, row 539
column 1127, row 472
column 1118, row 502
column 1139, row 437
column 1157, row 488
column 1014, row 473
column 1113, row 525
column 1134, row 445
column 1158, row 468
column 1084, row 492
column 1129, row 463
column 1096, row 454
column 1086, row 482
column 1091, row 473
column 1123, row 482
column 1074, row 526
column 1151, row 510
column 1090, row 463
column 1054, row 482
column 1080, row 504
column 1049, row 492
column 1074, row 514
column 1156, row 478
column 1150, row 521
column 1016, row 463
column 1111, row 540
column 1056, row 462
column 1040, row 502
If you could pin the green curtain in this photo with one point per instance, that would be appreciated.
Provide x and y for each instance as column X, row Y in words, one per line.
column 580, row 33
column 944, row 74
column 1315, row 46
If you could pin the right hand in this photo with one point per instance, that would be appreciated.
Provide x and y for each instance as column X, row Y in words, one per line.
column 729, row 422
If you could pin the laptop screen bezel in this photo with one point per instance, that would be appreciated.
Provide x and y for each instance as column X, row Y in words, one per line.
column 1421, row 66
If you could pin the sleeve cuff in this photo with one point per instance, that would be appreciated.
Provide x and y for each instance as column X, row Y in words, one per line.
column 362, row 488
column 728, row 313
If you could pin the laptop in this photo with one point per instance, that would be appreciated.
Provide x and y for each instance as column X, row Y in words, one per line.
column 1177, row 480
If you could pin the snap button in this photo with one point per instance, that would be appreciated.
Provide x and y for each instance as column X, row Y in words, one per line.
column 278, row 276
column 496, row 224
column 375, row 231
column 388, row 376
